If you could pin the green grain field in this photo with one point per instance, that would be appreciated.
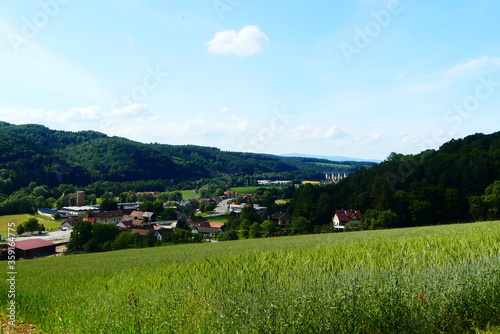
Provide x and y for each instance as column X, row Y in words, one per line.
column 443, row 279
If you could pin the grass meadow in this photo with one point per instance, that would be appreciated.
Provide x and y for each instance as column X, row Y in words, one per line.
column 19, row 219
column 188, row 195
column 443, row 279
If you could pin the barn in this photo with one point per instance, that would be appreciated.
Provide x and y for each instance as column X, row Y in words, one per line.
column 33, row 248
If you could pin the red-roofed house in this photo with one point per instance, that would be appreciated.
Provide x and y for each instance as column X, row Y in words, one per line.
column 33, row 248
column 342, row 217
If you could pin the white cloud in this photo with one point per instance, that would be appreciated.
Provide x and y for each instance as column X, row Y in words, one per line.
column 87, row 113
column 474, row 67
column 224, row 110
column 135, row 109
column 318, row 132
column 246, row 42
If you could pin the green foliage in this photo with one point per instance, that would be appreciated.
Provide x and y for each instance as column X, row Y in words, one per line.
column 80, row 236
column 249, row 213
column 300, row 225
column 108, row 204
column 30, row 225
column 254, row 231
column 125, row 240
column 20, row 229
column 486, row 206
column 245, row 227
column 229, row 234
column 269, row 227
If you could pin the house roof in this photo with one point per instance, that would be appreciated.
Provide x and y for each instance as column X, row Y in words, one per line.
column 71, row 222
column 33, row 244
column 140, row 231
column 48, row 211
column 148, row 214
column 347, row 215
column 137, row 214
column 217, row 225
column 108, row 214
column 127, row 222
column 281, row 216
column 207, row 230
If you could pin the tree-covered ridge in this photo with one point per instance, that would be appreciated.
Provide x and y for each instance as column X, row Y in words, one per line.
column 35, row 153
column 454, row 183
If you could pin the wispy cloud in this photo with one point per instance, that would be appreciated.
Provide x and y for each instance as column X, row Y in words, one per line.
column 244, row 43
column 474, row 67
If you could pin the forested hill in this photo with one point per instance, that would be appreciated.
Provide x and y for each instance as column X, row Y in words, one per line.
column 35, row 153
column 458, row 182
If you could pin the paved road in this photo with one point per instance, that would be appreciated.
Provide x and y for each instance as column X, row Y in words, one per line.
column 222, row 207
column 50, row 236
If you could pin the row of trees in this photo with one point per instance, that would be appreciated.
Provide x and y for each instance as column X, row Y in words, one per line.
column 89, row 238
column 30, row 225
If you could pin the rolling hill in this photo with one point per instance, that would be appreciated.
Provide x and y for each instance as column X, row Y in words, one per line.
column 35, row 153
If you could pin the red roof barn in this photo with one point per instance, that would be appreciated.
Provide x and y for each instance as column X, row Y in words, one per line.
column 32, row 248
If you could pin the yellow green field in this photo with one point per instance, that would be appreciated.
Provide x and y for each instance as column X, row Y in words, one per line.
column 440, row 279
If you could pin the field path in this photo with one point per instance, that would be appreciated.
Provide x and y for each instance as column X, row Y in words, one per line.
column 5, row 328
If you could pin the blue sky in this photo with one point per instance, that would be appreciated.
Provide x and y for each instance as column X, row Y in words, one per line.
column 340, row 77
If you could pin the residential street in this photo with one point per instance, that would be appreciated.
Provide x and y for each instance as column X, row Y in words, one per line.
column 222, row 207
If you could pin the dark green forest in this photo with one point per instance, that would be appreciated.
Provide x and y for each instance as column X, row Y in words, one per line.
column 460, row 182
column 34, row 153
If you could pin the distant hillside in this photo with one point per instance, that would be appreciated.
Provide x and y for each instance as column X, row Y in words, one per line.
column 35, row 153
column 336, row 158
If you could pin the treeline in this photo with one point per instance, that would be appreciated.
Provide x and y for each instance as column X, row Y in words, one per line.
column 459, row 182
column 91, row 238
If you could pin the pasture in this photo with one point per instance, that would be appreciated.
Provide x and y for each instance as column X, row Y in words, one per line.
column 188, row 195
column 415, row 280
column 5, row 220
column 19, row 219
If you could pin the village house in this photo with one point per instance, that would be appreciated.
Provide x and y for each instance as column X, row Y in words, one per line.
column 284, row 220
column 209, row 232
column 344, row 217
column 106, row 217
column 140, row 218
column 237, row 208
column 194, row 221
column 69, row 224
